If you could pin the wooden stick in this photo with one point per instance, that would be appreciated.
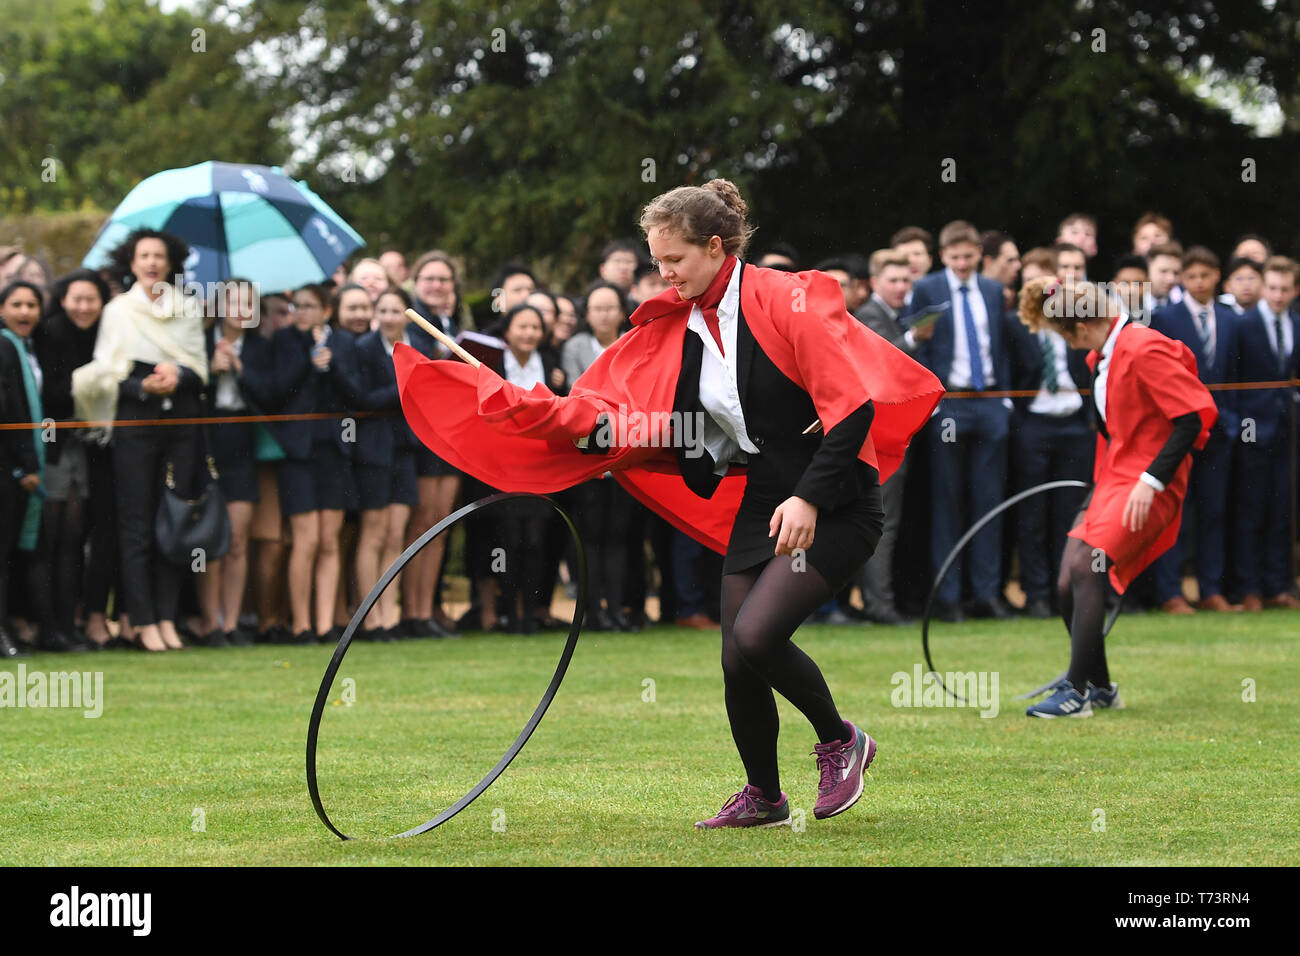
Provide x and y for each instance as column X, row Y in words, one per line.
column 814, row 427
column 442, row 337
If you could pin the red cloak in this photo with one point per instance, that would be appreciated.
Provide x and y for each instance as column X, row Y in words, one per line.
column 519, row 440
column 1152, row 380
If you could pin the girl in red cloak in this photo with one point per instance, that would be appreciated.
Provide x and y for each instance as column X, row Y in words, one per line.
column 754, row 413
column 1151, row 411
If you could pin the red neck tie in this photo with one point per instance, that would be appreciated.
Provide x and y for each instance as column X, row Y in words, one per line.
column 712, row 297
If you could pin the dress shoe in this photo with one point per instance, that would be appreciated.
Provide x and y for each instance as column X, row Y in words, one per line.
column 214, row 639
column 991, row 609
column 621, row 622
column 1251, row 602
column 887, row 615
column 1038, row 608
column 698, row 622
column 303, row 637
column 1177, row 605
column 55, row 642
column 9, row 647
column 949, row 612
column 598, row 619
column 239, row 637
column 1283, row 600
column 1216, row 602
column 275, row 634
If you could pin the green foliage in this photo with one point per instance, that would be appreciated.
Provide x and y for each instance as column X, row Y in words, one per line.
column 96, row 98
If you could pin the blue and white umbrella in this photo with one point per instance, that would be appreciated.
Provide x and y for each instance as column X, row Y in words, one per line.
column 253, row 222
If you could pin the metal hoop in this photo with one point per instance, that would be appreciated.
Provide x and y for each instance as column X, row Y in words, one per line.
column 327, row 682
column 960, row 546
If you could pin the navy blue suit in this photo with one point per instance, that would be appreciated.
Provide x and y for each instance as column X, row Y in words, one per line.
column 968, row 440
column 1262, row 481
column 1207, row 488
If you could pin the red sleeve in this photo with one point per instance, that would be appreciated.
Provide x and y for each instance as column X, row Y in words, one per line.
column 1166, row 372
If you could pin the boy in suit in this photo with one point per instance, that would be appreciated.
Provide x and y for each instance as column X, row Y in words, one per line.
column 1211, row 331
column 1001, row 263
column 1130, row 281
column 968, row 437
column 891, row 281
column 918, row 245
column 1071, row 262
column 1263, row 487
column 1242, row 284
column 1079, row 229
column 1165, row 265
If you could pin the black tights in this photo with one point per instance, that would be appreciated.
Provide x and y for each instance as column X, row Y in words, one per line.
column 1082, row 591
column 761, row 608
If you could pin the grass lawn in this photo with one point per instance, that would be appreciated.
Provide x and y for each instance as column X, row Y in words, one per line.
column 198, row 757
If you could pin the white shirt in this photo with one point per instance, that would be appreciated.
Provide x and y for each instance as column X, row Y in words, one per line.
column 389, row 346
column 724, row 435
column 228, row 394
column 1066, row 400
column 959, row 376
column 526, row 375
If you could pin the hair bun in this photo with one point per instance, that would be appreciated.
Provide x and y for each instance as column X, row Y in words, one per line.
column 726, row 190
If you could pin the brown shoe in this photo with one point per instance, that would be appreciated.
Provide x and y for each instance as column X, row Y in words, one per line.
column 1217, row 603
column 1251, row 602
column 1177, row 605
column 1283, row 600
column 699, row 622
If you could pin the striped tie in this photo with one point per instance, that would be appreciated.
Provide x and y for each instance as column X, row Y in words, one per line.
column 1049, row 364
column 1207, row 338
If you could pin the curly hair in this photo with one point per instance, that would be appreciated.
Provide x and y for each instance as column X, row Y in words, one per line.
column 697, row 213
column 1048, row 303
column 119, row 266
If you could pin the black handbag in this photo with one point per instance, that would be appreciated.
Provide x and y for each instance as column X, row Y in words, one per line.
column 183, row 526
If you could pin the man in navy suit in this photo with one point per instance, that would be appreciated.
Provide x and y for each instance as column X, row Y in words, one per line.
column 1262, row 486
column 1211, row 331
column 968, row 436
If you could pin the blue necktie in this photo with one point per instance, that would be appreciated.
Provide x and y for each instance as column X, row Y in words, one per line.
column 972, row 342
column 1281, row 345
column 1207, row 344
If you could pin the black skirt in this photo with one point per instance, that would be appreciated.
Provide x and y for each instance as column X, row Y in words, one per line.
column 843, row 539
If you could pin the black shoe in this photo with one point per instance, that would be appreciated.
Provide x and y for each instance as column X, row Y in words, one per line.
column 1038, row 608
column 333, row 635
column 276, row 634
column 239, row 638
column 390, row 634
column 430, row 627
column 214, row 639
column 599, row 620
column 991, row 609
column 621, row 622
column 887, row 615
column 55, row 642
column 9, row 647
column 303, row 637
column 948, row 612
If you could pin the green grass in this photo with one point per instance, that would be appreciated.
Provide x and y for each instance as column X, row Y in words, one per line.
column 1189, row 773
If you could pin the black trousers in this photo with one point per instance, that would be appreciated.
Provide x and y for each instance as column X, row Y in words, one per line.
column 103, row 566
column 140, row 458
column 13, row 506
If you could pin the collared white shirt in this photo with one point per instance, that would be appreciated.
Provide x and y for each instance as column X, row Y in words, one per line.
column 889, row 310
column 389, row 346
column 1066, row 400
column 724, row 435
column 228, row 395
column 1103, row 366
column 526, row 375
column 959, row 376
column 1270, row 327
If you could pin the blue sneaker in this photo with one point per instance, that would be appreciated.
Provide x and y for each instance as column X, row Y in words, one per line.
column 1064, row 702
column 1108, row 698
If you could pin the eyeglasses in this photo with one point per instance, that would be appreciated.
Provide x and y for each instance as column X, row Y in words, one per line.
column 439, row 279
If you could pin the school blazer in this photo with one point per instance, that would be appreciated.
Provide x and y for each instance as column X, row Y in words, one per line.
column 822, row 469
column 380, row 435
column 17, row 446
column 300, row 388
column 1176, row 322
column 936, row 353
column 1269, row 408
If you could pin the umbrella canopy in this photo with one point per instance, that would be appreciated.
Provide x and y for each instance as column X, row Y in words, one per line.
column 253, row 222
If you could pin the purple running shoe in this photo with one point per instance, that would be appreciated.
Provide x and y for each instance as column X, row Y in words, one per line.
column 748, row 809
column 841, row 766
